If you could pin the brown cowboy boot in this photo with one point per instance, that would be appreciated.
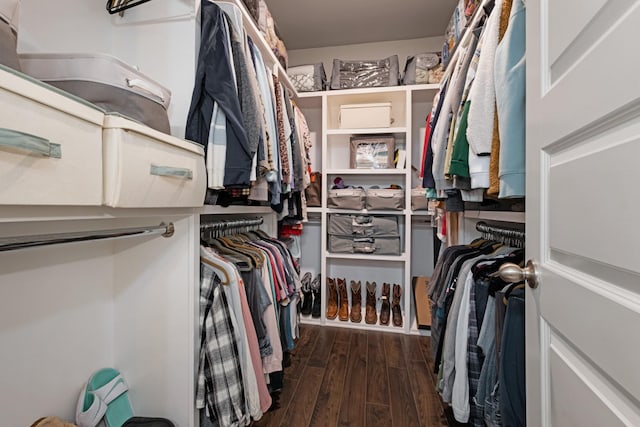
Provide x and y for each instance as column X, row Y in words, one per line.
column 370, row 316
column 385, row 311
column 356, row 302
column 332, row 302
column 395, row 306
column 343, row 311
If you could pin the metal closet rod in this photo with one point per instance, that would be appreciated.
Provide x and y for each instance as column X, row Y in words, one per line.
column 497, row 231
column 232, row 225
column 31, row 241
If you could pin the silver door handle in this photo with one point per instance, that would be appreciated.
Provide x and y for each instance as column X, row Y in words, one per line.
column 513, row 273
column 26, row 142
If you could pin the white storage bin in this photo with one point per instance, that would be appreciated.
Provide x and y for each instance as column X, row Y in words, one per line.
column 359, row 116
column 144, row 168
column 50, row 145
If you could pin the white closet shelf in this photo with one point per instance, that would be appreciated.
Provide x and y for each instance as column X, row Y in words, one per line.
column 421, row 213
column 505, row 216
column 366, row 212
column 365, row 326
column 258, row 38
column 314, row 210
column 234, row 210
column 366, row 171
column 365, row 257
column 366, row 131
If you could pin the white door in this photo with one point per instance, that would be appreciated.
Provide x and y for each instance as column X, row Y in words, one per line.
column 583, row 212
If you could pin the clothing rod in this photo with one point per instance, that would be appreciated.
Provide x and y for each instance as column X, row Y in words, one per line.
column 510, row 233
column 232, row 223
column 22, row 242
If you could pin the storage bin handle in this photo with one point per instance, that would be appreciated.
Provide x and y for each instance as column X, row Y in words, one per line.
column 172, row 172
column 34, row 144
column 141, row 84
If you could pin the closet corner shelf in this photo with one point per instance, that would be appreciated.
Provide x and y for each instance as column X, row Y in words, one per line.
column 366, row 212
column 365, row 257
column 504, row 216
column 366, row 131
column 419, row 87
column 234, row 210
column 314, row 210
column 366, row 171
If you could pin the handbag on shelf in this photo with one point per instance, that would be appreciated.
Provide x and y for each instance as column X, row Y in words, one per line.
column 313, row 192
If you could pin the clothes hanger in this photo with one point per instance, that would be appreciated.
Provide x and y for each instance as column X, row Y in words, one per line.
column 219, row 270
column 510, row 290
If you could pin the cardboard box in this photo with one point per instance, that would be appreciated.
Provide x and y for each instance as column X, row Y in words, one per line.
column 422, row 302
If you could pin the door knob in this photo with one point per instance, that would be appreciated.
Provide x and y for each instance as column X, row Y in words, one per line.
column 513, row 273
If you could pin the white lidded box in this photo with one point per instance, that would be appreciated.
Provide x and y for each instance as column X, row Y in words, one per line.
column 145, row 168
column 359, row 116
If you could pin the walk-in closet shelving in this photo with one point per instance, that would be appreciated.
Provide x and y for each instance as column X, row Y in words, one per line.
column 409, row 106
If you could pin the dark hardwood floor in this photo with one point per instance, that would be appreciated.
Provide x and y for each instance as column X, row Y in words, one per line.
column 344, row 377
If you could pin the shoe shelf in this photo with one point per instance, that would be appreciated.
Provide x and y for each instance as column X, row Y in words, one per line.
column 365, row 326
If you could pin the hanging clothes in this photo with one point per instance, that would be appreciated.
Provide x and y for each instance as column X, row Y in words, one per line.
column 466, row 343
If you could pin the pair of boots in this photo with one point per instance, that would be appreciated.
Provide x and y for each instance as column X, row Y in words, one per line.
column 311, row 295
column 338, row 302
column 371, row 316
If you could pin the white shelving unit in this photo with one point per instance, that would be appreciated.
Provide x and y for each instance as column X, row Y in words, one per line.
column 334, row 160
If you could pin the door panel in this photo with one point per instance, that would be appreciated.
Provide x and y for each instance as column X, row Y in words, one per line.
column 563, row 31
column 575, row 386
column 583, row 175
column 586, row 220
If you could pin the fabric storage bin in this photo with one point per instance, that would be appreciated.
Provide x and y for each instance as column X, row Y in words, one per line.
column 107, row 82
column 364, row 245
column 419, row 201
column 346, row 198
column 363, row 225
column 50, row 145
column 357, row 116
column 416, row 70
column 385, row 199
column 372, row 152
column 144, row 168
column 308, row 78
column 349, row 74
column 9, row 10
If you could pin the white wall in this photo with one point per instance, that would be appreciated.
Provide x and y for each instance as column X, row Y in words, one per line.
column 158, row 37
column 378, row 50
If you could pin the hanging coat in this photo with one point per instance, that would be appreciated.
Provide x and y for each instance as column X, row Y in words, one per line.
column 214, row 82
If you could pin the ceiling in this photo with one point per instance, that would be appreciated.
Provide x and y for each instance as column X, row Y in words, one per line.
column 305, row 24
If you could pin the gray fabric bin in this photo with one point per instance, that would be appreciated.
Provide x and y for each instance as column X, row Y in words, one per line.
column 308, row 78
column 350, row 74
column 419, row 201
column 346, row 198
column 363, row 225
column 364, row 245
column 8, row 40
column 385, row 199
column 105, row 81
column 416, row 70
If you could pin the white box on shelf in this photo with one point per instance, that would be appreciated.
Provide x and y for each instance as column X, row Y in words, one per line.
column 359, row 116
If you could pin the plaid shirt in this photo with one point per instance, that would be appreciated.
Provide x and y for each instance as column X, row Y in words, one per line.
column 220, row 389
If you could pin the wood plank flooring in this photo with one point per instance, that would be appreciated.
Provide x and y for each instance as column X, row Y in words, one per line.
column 343, row 377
